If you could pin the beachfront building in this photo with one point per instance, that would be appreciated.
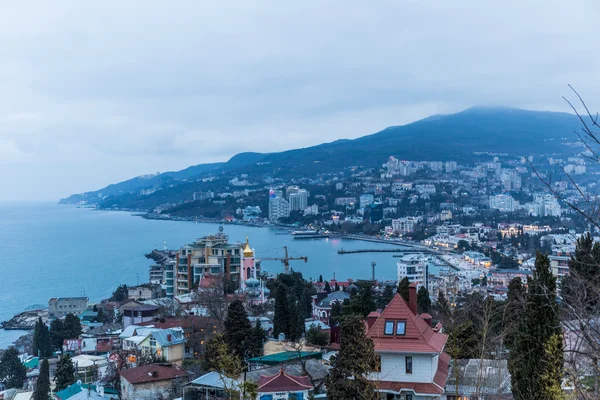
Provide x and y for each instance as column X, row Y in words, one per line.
column 413, row 365
column 209, row 255
column 413, row 267
column 59, row 307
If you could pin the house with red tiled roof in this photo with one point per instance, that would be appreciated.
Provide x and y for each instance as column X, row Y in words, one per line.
column 413, row 365
column 284, row 386
column 151, row 381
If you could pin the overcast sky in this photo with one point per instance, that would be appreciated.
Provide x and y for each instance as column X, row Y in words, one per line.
column 96, row 92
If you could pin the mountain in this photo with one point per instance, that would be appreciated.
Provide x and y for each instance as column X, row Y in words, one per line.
column 439, row 137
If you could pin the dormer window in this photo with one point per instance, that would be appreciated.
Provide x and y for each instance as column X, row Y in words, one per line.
column 397, row 328
column 389, row 328
column 401, row 328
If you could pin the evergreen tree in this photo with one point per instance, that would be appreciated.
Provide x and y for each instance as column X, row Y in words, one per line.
column 423, row 301
column 65, row 373
column 71, row 327
column 12, row 372
column 580, row 286
column 320, row 278
column 362, row 303
column 327, row 287
column 237, row 328
column 535, row 364
column 42, row 346
column 386, row 296
column 256, row 340
column 356, row 358
column 42, row 387
column 37, row 332
column 211, row 354
column 403, row 288
column 335, row 314
column 515, row 308
column 306, row 302
column 316, row 337
column 56, row 334
column 120, row 294
column 281, row 319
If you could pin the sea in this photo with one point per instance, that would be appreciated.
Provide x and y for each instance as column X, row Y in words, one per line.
column 51, row 250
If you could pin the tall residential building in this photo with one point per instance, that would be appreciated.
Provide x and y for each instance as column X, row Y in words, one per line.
column 366, row 200
column 298, row 200
column 278, row 206
column 209, row 255
column 502, row 203
column 291, row 190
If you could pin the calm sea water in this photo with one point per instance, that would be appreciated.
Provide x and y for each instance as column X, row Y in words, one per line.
column 49, row 250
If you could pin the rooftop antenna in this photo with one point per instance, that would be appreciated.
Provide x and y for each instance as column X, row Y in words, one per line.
column 165, row 245
column 137, row 279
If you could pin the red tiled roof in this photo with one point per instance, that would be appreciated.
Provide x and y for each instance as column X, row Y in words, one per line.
column 418, row 388
column 283, row 382
column 441, row 375
column 419, row 337
column 152, row 373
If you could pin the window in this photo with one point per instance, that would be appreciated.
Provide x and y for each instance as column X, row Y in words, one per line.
column 400, row 327
column 389, row 328
column 409, row 364
column 409, row 397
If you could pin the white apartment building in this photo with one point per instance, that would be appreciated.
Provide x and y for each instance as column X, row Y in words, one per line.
column 502, row 203
column 366, row 200
column 278, row 206
column 425, row 189
column 403, row 225
column 298, row 200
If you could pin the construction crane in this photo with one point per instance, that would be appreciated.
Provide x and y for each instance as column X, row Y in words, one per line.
column 286, row 260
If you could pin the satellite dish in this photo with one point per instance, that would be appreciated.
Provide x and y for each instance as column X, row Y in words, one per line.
column 221, row 229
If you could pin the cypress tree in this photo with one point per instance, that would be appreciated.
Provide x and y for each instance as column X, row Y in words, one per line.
column 535, row 364
column 403, row 288
column 71, row 327
column 423, row 300
column 37, row 332
column 356, row 358
column 42, row 387
column 65, row 373
column 256, row 340
column 237, row 328
column 56, row 334
column 306, row 303
column 327, row 287
column 515, row 305
column 12, row 372
column 281, row 319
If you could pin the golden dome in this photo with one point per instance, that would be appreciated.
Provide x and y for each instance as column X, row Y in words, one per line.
column 247, row 250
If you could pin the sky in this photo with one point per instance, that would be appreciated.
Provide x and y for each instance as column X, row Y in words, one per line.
column 98, row 92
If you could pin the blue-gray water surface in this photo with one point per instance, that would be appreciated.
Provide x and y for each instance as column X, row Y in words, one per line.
column 49, row 250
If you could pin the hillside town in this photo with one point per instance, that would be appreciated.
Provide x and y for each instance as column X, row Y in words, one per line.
column 468, row 242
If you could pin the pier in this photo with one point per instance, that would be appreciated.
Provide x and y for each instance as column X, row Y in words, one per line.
column 405, row 251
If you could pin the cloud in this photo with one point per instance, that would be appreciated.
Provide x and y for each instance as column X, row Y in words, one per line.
column 98, row 92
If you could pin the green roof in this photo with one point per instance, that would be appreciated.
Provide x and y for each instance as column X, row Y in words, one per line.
column 285, row 356
column 32, row 363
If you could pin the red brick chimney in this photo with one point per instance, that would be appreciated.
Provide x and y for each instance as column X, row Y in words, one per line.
column 412, row 297
column 371, row 318
column 169, row 337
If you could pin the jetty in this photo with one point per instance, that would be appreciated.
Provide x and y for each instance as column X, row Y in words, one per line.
column 404, row 251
